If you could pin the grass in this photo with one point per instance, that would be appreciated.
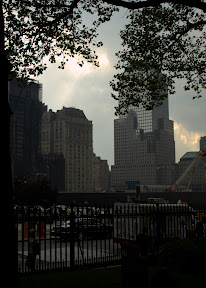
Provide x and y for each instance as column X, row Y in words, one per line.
column 95, row 278
column 188, row 281
column 180, row 265
column 110, row 278
column 160, row 278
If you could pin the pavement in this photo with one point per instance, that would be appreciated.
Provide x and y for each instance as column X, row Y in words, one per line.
column 58, row 253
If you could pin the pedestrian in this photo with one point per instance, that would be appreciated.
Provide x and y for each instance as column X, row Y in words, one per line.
column 182, row 230
column 153, row 230
column 143, row 242
column 199, row 229
column 154, row 239
column 204, row 226
column 33, row 250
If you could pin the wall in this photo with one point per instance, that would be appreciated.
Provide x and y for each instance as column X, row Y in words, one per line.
column 198, row 198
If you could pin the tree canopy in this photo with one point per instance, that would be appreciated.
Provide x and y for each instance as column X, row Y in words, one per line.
column 158, row 43
column 37, row 29
column 34, row 192
column 161, row 44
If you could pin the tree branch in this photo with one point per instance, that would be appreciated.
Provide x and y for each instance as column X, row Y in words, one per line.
column 62, row 16
column 190, row 27
column 152, row 3
column 130, row 5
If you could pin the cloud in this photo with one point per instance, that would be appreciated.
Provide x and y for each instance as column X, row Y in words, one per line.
column 86, row 88
column 185, row 140
column 185, row 110
column 77, row 71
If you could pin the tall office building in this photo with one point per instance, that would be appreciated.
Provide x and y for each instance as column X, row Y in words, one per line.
column 143, row 141
column 203, row 143
column 68, row 133
column 25, row 102
column 196, row 179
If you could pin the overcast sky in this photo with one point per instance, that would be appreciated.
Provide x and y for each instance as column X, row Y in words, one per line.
column 88, row 89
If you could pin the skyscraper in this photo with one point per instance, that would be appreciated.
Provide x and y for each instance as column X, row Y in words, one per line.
column 25, row 102
column 69, row 133
column 143, row 140
column 203, row 143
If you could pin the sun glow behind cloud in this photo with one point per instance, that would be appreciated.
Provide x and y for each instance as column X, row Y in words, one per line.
column 103, row 61
column 77, row 71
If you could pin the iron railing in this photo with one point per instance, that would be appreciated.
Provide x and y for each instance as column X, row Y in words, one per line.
column 72, row 237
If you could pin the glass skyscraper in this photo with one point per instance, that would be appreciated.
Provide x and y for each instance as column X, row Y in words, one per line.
column 143, row 141
column 26, row 103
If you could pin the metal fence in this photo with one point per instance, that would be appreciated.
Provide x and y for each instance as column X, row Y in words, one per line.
column 60, row 237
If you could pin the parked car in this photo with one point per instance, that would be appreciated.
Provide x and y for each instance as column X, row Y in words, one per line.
column 84, row 228
column 64, row 230
column 93, row 228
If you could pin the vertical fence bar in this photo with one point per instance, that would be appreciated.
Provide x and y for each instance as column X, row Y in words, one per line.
column 38, row 230
column 104, row 236
column 109, row 230
column 112, row 231
column 72, row 227
column 98, row 213
column 93, row 232
column 158, row 227
column 28, row 223
column 121, row 217
column 81, row 234
column 99, row 239
column 62, row 233
column 55, row 243
column 68, row 215
column 79, row 238
column 50, row 235
column 22, row 239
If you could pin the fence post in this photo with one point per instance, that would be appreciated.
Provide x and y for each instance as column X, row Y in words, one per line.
column 72, row 227
column 158, row 226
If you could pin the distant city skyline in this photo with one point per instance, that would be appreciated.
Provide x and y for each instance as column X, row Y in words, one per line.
column 87, row 88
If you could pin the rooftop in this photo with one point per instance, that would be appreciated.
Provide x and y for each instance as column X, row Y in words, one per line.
column 189, row 155
column 72, row 112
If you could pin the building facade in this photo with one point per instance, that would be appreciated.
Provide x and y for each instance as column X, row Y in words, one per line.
column 196, row 180
column 53, row 168
column 25, row 102
column 69, row 133
column 101, row 175
column 143, row 141
column 203, row 143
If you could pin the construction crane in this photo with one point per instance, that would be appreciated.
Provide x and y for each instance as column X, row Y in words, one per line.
column 189, row 169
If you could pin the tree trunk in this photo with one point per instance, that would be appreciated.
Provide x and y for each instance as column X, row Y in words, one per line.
column 10, row 236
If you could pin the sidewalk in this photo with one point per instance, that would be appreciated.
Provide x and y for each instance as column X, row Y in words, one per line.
column 61, row 256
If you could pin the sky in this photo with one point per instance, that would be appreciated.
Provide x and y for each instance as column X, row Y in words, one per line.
column 88, row 89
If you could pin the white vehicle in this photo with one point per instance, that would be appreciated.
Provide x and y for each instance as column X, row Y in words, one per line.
column 158, row 221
